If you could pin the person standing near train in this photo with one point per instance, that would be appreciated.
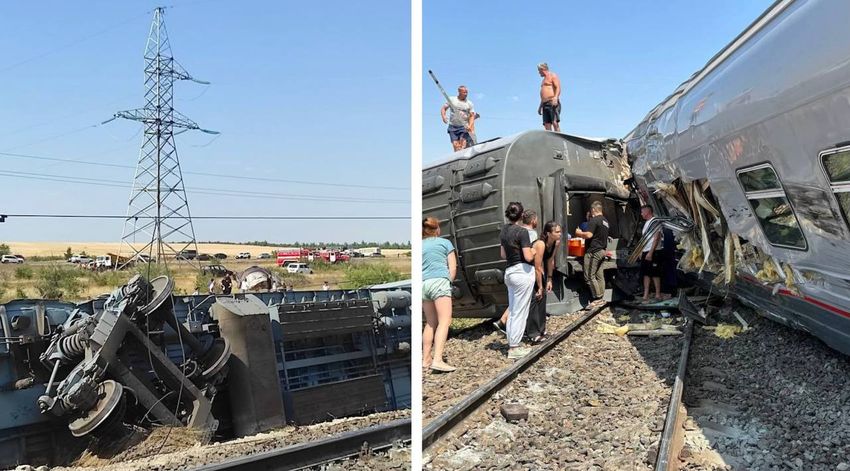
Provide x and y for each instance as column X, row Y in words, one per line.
column 651, row 263
column 439, row 267
column 529, row 221
column 519, row 277
column 544, row 264
column 596, row 236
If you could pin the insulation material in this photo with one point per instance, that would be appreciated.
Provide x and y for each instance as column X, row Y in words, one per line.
column 727, row 331
column 768, row 272
column 790, row 279
column 729, row 258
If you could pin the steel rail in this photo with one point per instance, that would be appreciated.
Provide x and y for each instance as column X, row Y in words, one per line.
column 671, row 423
column 315, row 453
column 457, row 413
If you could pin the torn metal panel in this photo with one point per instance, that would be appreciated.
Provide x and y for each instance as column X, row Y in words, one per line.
column 734, row 117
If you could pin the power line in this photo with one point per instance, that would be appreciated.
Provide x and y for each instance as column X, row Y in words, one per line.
column 201, row 190
column 222, row 217
column 207, row 174
column 69, row 44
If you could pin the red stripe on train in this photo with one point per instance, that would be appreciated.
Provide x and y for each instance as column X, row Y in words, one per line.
column 809, row 299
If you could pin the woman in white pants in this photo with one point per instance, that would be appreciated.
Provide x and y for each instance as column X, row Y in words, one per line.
column 519, row 277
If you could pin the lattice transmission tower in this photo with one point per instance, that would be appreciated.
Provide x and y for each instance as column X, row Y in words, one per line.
column 158, row 224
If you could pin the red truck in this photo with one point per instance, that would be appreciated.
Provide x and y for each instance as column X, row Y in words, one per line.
column 291, row 255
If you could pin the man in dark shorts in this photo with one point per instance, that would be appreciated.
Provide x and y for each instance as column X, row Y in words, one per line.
column 550, row 98
column 462, row 119
column 596, row 241
column 651, row 263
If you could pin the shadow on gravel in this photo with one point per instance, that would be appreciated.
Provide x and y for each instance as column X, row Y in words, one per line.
column 473, row 333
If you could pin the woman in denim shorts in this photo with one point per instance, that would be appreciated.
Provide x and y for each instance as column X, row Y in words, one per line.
column 439, row 267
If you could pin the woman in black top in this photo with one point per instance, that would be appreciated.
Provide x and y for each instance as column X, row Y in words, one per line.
column 544, row 264
column 519, row 277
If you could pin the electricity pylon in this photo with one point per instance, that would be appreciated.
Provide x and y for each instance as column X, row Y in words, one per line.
column 159, row 225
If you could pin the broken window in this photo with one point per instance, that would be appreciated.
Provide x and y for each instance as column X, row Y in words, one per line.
column 837, row 167
column 767, row 198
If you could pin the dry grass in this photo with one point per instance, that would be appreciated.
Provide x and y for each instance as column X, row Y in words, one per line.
column 185, row 277
column 29, row 249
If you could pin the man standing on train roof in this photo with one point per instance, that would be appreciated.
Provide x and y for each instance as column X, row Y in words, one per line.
column 462, row 119
column 597, row 243
column 550, row 98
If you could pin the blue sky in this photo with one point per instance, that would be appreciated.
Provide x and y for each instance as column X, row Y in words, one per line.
column 300, row 91
column 616, row 59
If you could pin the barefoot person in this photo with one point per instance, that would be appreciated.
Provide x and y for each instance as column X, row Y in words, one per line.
column 650, row 264
column 462, row 119
column 544, row 264
column 597, row 242
column 519, row 277
column 550, row 98
column 439, row 266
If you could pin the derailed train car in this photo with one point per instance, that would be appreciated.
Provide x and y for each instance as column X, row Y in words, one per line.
column 755, row 149
column 226, row 365
column 558, row 176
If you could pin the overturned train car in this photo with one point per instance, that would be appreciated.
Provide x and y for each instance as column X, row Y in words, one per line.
column 558, row 176
column 226, row 365
column 755, row 149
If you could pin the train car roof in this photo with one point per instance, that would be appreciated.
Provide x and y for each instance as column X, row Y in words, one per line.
column 500, row 142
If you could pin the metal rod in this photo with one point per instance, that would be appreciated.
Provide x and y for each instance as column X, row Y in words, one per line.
column 665, row 448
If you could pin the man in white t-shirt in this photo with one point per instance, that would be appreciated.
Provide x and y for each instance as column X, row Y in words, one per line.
column 462, row 119
column 650, row 264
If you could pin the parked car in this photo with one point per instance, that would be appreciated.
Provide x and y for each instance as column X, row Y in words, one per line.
column 10, row 259
column 217, row 270
column 220, row 256
column 80, row 259
column 356, row 254
column 243, row 255
column 204, row 257
column 187, row 255
column 264, row 256
column 299, row 268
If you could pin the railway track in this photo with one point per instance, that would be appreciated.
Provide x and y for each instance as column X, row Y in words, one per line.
column 316, row 453
column 672, row 438
column 444, row 423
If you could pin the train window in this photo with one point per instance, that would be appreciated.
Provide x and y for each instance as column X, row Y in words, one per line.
column 771, row 207
column 836, row 164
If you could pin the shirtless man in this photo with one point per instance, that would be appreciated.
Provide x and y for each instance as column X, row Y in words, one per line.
column 550, row 98
column 462, row 119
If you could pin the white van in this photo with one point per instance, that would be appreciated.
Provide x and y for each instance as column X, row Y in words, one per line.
column 103, row 261
column 299, row 268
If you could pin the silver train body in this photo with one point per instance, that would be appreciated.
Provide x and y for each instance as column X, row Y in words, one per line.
column 763, row 130
column 555, row 174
